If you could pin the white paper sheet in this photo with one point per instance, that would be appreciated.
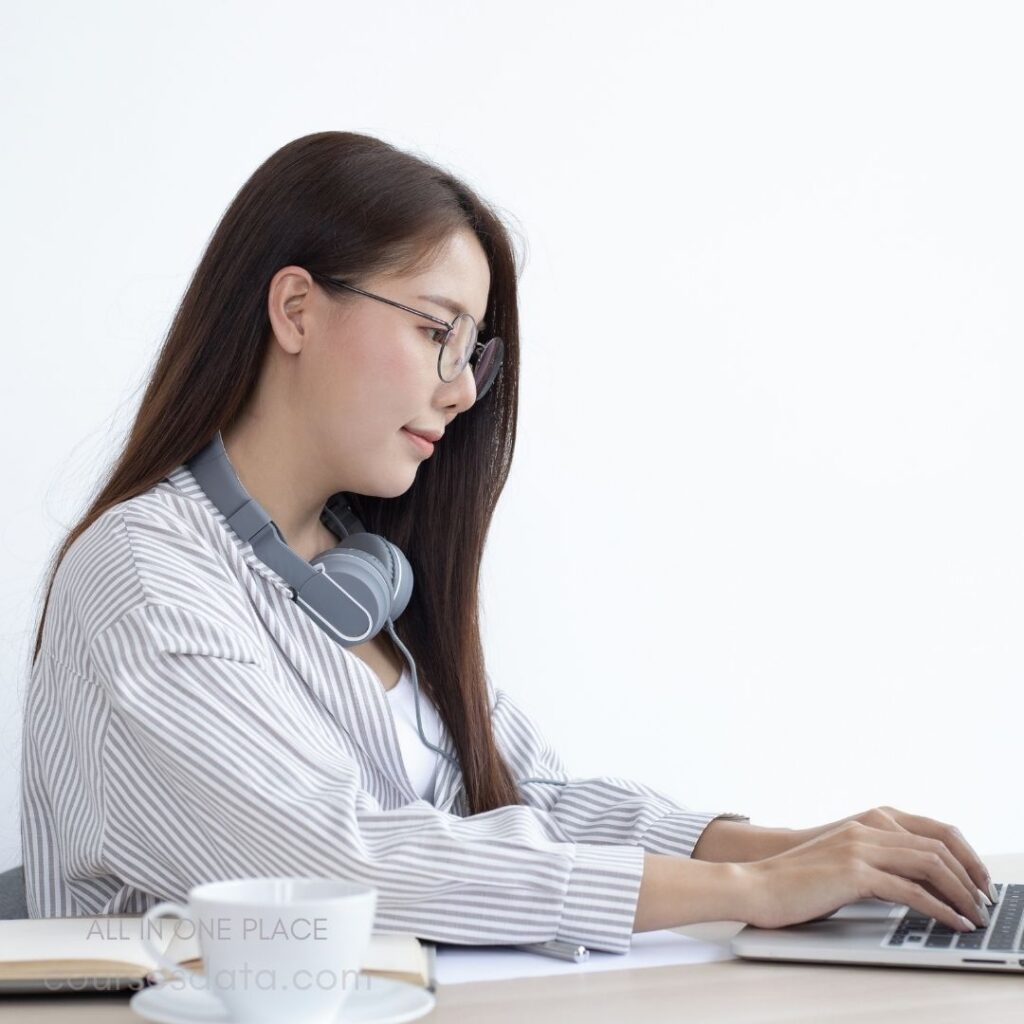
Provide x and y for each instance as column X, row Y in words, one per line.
column 457, row 964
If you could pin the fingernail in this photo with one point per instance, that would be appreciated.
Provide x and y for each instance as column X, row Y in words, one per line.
column 988, row 902
column 986, row 917
column 992, row 890
column 969, row 925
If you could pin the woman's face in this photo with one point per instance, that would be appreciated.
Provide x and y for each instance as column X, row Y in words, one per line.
column 359, row 370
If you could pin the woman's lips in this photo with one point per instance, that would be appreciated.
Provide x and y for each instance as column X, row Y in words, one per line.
column 422, row 444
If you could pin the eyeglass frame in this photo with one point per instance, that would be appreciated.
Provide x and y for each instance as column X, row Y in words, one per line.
column 478, row 345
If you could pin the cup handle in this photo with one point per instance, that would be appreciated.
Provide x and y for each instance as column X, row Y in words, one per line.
column 159, row 910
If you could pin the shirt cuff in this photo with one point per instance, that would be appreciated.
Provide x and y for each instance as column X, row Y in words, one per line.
column 601, row 898
column 677, row 833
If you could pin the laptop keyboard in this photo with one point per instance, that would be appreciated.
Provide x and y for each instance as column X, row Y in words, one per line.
column 917, row 931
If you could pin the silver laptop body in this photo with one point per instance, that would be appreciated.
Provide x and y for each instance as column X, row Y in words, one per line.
column 889, row 934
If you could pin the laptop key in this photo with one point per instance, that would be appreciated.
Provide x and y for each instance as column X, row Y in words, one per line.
column 1003, row 930
column 971, row 940
column 1001, row 933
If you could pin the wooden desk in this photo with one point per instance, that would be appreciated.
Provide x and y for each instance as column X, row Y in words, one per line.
column 729, row 992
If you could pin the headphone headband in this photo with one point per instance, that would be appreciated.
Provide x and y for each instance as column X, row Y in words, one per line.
column 350, row 591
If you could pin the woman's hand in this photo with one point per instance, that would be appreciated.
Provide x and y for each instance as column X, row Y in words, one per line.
column 856, row 861
column 888, row 819
column 724, row 840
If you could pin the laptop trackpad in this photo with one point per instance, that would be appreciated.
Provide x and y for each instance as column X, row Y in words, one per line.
column 864, row 910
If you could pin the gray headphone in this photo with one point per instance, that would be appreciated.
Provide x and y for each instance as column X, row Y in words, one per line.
column 351, row 591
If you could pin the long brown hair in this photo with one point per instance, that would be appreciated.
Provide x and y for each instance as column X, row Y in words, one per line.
column 350, row 205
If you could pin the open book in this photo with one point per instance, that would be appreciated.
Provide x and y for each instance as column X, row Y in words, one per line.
column 50, row 954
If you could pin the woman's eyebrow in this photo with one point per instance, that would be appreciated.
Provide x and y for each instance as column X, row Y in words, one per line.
column 453, row 307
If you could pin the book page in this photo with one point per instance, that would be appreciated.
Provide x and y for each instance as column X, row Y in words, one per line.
column 114, row 937
column 118, row 938
column 387, row 953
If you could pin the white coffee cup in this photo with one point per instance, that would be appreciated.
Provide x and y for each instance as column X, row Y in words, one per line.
column 274, row 949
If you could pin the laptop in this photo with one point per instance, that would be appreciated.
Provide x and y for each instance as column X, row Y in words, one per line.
column 892, row 935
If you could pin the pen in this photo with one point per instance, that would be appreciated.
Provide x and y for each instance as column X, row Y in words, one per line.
column 558, row 949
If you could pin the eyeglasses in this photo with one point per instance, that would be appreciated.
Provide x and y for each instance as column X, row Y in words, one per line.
column 459, row 346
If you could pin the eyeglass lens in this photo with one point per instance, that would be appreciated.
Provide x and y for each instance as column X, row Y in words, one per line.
column 458, row 350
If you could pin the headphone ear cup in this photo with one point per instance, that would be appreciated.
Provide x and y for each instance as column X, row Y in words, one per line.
column 363, row 578
column 391, row 562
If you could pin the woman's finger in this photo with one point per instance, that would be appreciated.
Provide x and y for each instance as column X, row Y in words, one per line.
column 963, row 893
column 952, row 838
column 932, row 871
column 986, row 914
column 886, row 886
column 925, row 843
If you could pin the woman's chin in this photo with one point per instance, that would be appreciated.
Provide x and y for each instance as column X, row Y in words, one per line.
column 395, row 484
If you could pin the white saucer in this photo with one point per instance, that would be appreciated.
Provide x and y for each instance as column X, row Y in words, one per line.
column 385, row 1001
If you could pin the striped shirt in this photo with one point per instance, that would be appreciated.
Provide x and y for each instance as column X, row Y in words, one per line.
column 186, row 721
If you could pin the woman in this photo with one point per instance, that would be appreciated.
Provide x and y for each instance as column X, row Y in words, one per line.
column 186, row 720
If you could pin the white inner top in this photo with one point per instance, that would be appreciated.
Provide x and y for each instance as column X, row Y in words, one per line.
column 421, row 763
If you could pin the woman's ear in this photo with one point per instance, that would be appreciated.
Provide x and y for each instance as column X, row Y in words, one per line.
column 289, row 305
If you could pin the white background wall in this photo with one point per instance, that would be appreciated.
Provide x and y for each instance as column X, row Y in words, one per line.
column 762, row 544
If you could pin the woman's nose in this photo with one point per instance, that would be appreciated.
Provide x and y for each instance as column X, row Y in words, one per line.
column 462, row 390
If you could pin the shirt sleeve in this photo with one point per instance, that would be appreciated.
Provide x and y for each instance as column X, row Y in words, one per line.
column 604, row 809
column 206, row 773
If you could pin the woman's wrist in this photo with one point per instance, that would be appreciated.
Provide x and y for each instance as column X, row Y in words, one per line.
column 677, row 891
column 739, row 841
